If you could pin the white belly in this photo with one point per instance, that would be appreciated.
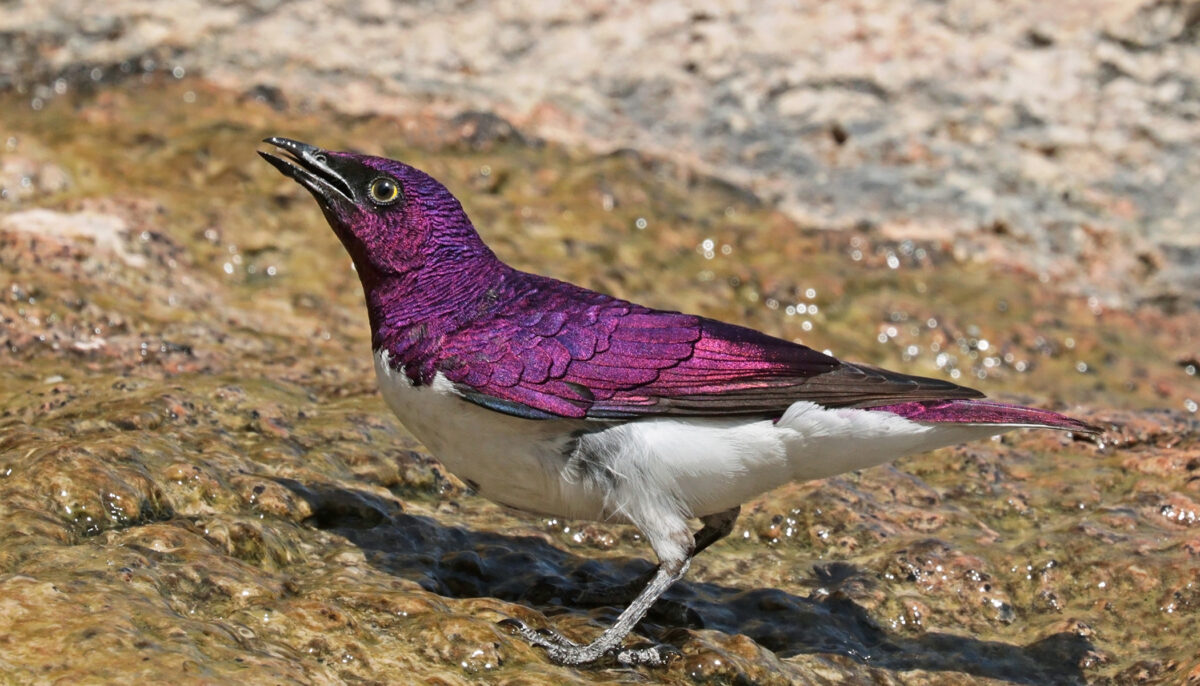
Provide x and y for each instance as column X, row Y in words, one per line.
column 635, row 470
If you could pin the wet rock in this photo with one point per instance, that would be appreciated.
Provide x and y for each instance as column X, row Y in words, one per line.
column 91, row 489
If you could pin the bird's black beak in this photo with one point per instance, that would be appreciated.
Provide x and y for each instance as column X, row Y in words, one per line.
column 310, row 167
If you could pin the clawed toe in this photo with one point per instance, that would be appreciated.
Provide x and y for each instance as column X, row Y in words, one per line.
column 650, row 656
column 542, row 638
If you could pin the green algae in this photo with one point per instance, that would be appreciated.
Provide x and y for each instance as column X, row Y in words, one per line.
column 198, row 478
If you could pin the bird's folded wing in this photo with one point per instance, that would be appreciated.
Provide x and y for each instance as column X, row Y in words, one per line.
column 615, row 360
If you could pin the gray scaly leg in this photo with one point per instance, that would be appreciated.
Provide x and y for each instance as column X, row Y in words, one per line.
column 671, row 568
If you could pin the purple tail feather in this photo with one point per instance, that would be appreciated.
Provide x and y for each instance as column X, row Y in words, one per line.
column 985, row 412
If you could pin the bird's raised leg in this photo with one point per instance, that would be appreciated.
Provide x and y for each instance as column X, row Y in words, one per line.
column 716, row 526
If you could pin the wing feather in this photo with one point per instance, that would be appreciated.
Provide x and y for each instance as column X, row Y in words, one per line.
column 558, row 350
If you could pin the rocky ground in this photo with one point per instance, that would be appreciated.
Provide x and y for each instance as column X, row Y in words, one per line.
column 199, row 483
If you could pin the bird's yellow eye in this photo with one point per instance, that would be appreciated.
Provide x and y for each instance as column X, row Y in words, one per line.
column 384, row 191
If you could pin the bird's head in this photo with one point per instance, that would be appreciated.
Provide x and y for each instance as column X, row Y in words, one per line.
column 392, row 218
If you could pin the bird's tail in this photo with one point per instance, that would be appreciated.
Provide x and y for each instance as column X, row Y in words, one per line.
column 985, row 412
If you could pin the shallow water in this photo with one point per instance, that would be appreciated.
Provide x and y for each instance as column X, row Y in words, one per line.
column 199, row 481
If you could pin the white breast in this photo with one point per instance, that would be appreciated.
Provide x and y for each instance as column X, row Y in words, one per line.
column 514, row 461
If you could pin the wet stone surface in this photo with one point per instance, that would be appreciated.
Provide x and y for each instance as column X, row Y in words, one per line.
column 198, row 481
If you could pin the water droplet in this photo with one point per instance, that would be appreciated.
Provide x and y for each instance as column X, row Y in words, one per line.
column 178, row 72
column 1191, row 405
column 810, row 293
column 893, row 262
column 641, row 224
column 1081, row 367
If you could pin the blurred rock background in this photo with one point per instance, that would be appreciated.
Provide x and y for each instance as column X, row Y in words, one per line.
column 1056, row 135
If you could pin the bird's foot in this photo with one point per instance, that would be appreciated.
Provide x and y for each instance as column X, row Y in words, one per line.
column 564, row 651
column 542, row 638
column 577, row 655
column 650, row 656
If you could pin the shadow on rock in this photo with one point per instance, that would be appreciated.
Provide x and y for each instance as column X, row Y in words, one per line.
column 461, row 563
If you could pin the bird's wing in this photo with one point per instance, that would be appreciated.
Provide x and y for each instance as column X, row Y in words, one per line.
column 610, row 359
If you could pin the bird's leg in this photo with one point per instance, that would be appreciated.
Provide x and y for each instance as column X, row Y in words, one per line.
column 674, row 563
column 567, row 652
column 672, row 541
column 716, row 526
column 669, row 571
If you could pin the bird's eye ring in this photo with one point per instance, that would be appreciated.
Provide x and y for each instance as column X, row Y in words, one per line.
column 384, row 191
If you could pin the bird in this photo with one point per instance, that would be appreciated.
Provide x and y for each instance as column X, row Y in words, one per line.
column 560, row 401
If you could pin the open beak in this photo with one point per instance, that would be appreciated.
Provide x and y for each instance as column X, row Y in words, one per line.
column 309, row 166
